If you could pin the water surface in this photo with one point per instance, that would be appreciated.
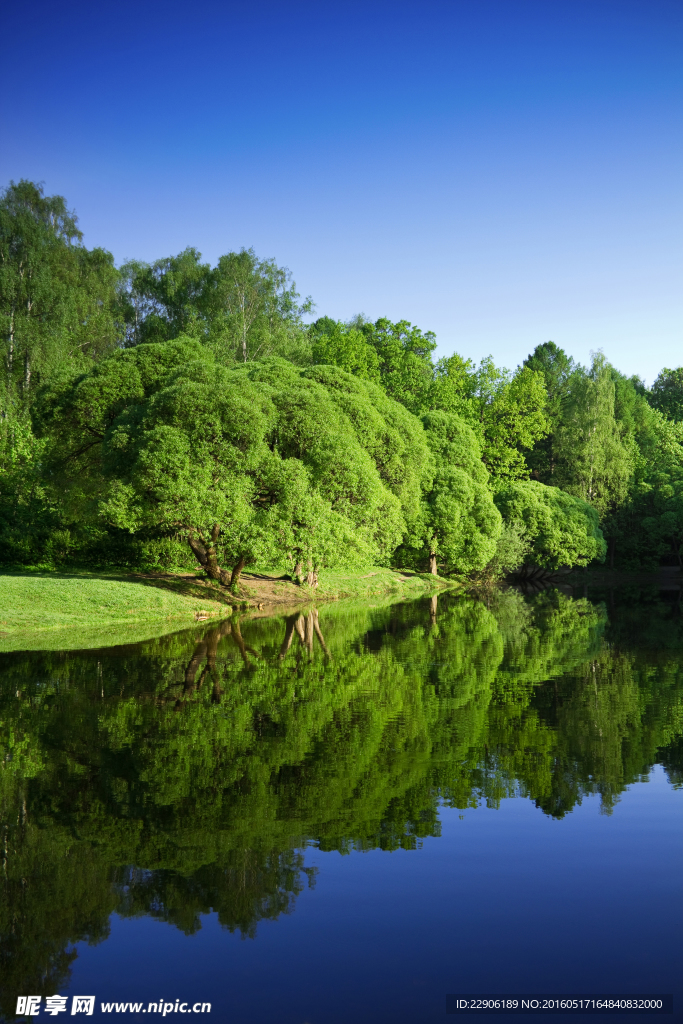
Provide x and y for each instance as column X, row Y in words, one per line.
column 344, row 814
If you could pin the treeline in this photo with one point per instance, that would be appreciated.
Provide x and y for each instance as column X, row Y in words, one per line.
column 153, row 406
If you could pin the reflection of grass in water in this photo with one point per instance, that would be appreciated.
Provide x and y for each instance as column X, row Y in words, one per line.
column 84, row 639
column 80, row 609
column 49, row 609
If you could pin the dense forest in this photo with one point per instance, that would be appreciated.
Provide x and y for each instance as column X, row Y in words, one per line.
column 181, row 414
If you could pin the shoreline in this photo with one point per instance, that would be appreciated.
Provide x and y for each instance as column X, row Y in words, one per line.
column 41, row 608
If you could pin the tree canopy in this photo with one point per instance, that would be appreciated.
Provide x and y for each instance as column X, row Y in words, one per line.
column 57, row 298
column 244, row 307
column 559, row 528
column 461, row 523
column 256, row 462
column 667, row 393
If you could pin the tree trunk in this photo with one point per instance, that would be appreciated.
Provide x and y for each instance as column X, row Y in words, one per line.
column 318, row 633
column 193, row 666
column 244, row 326
column 289, row 634
column 309, row 632
column 299, row 573
column 205, row 553
column 10, row 357
column 432, row 564
column 237, row 572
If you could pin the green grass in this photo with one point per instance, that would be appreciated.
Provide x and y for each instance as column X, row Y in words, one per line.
column 36, row 606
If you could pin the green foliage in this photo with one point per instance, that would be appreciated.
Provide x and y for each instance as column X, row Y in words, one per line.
column 271, row 461
column 560, row 529
column 75, row 413
column 506, row 410
column 460, row 523
column 244, row 308
column 511, row 412
column 512, row 550
column 57, row 298
column 160, row 301
column 595, row 456
column 557, row 369
column 646, row 528
column 392, row 437
column 71, row 321
column 26, row 514
column 405, row 366
column 667, row 393
column 338, row 344
column 603, row 441
column 255, row 310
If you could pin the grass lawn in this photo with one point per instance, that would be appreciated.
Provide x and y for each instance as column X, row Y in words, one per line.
column 38, row 605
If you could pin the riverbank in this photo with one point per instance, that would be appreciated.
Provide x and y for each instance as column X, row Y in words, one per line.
column 48, row 608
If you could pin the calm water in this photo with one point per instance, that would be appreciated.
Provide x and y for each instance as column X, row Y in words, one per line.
column 344, row 815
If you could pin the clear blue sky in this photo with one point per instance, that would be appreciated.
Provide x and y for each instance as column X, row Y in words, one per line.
column 501, row 172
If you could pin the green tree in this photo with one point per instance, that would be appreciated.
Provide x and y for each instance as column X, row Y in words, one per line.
column 261, row 462
column 560, row 529
column 162, row 300
column 405, row 364
column 506, row 410
column 338, row 344
column 642, row 431
column 255, row 309
column 649, row 523
column 667, row 393
column 454, row 386
column 461, row 524
column 595, row 456
column 26, row 513
column 557, row 369
column 57, row 298
column 244, row 308
column 510, row 409
column 393, row 438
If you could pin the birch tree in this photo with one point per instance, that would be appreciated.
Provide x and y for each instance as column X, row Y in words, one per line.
column 595, row 459
column 56, row 297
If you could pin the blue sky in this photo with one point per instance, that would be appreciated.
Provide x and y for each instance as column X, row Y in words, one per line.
column 501, row 172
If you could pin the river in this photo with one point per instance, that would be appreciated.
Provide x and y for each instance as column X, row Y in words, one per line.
column 347, row 813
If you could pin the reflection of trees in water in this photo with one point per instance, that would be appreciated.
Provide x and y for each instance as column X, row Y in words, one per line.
column 184, row 775
column 305, row 627
column 55, row 892
column 246, row 887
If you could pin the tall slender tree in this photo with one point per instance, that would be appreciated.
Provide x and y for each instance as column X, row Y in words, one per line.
column 595, row 458
column 557, row 369
column 57, row 298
